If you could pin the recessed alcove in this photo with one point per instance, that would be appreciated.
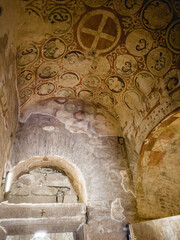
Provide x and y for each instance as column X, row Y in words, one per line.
column 43, row 185
column 42, row 194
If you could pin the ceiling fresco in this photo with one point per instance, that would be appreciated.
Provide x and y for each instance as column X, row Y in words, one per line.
column 120, row 56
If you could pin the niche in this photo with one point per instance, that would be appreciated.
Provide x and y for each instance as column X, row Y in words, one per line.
column 43, row 185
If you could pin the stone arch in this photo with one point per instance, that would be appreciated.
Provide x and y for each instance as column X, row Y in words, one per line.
column 52, row 161
column 157, row 182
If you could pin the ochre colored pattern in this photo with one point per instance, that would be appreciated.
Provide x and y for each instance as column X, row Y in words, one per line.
column 112, row 53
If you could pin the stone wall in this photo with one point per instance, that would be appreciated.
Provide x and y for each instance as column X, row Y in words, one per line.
column 102, row 162
column 160, row 229
column 8, row 92
column 22, row 219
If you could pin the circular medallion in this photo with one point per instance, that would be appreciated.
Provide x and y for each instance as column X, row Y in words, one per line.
column 25, row 95
column 173, row 37
column 156, row 14
column 139, row 42
column 27, row 54
column 94, row 3
column 89, row 108
column 100, row 66
column 71, row 107
column 99, row 31
column 45, row 88
column 115, row 84
column 74, row 57
column 126, row 65
column 177, row 6
column 69, row 79
column 48, row 70
column 144, row 82
column 159, row 61
column 54, row 48
column 172, row 80
column 85, row 95
column 127, row 7
column 61, row 21
column 106, row 99
column 76, row 61
column 25, row 78
column 132, row 100
column 91, row 81
column 65, row 93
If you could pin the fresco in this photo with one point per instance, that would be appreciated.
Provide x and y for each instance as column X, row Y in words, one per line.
column 120, row 55
column 172, row 80
column 159, row 61
column 98, row 30
column 91, row 81
column 45, row 88
column 69, row 79
column 65, row 93
column 25, row 78
column 144, row 82
column 26, row 54
column 54, row 48
column 157, row 14
column 160, row 147
column 77, row 115
column 173, row 37
column 139, row 42
column 47, row 70
column 115, row 84
column 61, row 20
column 127, row 7
column 126, row 65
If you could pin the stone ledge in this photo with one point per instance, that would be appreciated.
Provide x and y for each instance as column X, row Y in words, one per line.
column 28, row 218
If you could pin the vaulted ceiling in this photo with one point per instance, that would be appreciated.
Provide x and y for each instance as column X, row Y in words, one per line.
column 113, row 61
column 104, row 68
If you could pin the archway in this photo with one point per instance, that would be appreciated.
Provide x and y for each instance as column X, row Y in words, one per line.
column 72, row 172
column 43, row 185
column 52, row 218
column 157, row 186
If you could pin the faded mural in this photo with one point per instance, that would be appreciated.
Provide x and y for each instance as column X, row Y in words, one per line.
column 159, row 167
column 121, row 55
column 103, row 68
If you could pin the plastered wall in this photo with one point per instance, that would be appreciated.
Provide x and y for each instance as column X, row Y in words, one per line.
column 8, row 79
column 110, row 197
